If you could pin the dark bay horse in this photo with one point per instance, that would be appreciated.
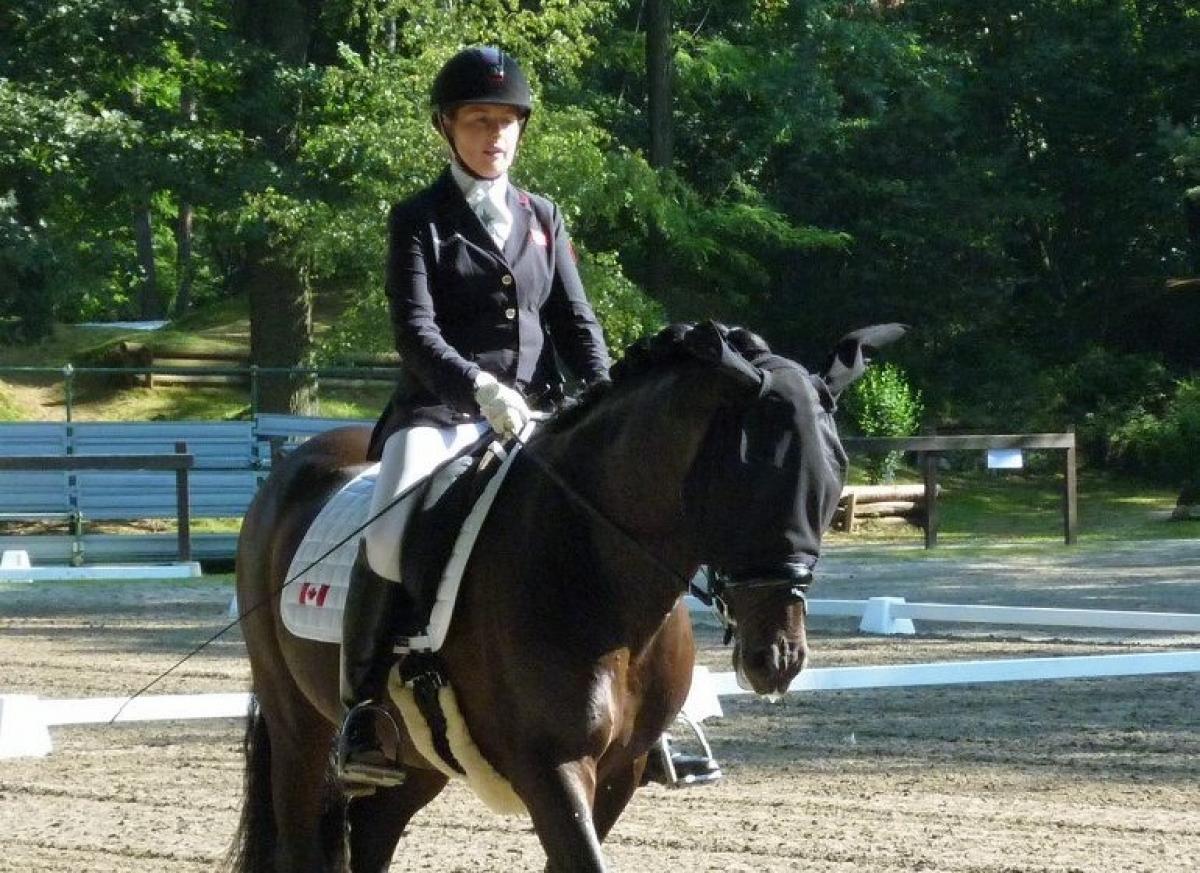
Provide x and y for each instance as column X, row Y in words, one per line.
column 571, row 649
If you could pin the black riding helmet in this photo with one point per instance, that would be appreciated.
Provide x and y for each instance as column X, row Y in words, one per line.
column 480, row 74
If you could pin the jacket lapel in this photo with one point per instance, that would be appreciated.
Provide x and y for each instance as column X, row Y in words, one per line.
column 523, row 220
column 460, row 217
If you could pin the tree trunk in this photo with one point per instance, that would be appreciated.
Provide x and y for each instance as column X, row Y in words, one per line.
column 183, row 225
column 658, row 81
column 149, row 305
column 391, row 34
column 278, row 291
column 32, row 303
column 658, row 111
column 1191, row 211
column 280, row 311
column 183, row 260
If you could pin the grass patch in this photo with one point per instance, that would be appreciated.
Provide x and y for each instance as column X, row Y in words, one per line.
column 223, row 327
column 9, row 410
column 63, row 345
column 224, row 403
column 1025, row 509
column 169, row 403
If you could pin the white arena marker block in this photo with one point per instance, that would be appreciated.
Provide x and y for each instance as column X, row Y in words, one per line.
column 15, row 560
column 878, row 619
column 702, row 700
column 23, row 729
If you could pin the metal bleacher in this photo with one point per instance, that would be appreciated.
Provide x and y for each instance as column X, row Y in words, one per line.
column 231, row 459
column 34, row 494
column 222, row 482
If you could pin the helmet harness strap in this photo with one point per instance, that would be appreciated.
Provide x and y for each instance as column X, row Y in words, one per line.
column 440, row 123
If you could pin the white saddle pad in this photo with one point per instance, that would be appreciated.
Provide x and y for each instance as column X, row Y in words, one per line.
column 312, row 604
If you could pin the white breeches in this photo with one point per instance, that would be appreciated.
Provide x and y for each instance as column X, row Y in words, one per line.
column 409, row 455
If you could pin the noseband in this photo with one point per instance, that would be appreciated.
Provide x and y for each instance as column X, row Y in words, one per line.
column 796, row 581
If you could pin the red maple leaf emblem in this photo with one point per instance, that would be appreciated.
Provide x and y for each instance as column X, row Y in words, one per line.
column 313, row 595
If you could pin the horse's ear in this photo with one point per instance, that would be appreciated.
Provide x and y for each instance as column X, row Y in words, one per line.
column 853, row 352
column 707, row 342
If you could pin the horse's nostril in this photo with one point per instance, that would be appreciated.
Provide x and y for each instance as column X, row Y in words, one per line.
column 761, row 660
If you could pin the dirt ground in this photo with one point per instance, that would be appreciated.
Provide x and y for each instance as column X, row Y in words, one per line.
column 1076, row 776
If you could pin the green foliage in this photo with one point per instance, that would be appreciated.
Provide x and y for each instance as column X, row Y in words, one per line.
column 1165, row 446
column 884, row 404
column 363, row 330
column 1006, row 177
column 624, row 310
column 1099, row 394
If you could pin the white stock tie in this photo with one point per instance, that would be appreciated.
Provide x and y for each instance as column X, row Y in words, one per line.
column 497, row 225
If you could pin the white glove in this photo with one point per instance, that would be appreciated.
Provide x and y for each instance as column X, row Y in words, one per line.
column 504, row 408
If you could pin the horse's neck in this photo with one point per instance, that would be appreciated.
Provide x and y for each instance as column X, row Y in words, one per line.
column 624, row 484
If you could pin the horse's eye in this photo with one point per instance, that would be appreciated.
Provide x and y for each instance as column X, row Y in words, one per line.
column 768, row 436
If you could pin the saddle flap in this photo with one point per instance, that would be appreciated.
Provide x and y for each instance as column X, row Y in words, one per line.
column 434, row 527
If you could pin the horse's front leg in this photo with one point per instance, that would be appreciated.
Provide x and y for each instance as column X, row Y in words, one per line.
column 559, row 800
column 614, row 794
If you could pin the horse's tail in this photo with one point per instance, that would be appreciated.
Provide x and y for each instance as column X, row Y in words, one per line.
column 253, row 849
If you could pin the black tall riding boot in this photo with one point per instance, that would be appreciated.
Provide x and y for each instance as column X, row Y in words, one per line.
column 375, row 608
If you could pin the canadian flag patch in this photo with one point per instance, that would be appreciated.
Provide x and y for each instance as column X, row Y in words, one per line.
column 312, row 594
column 537, row 236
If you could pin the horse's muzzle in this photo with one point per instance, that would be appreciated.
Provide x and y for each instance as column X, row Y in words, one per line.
column 771, row 642
column 769, row 669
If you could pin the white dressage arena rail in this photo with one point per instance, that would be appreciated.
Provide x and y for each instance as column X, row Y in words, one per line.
column 894, row 615
column 25, row 720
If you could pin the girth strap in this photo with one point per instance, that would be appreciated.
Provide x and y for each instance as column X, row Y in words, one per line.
column 421, row 673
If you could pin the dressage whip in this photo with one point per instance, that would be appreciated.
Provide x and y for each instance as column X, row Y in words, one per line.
column 271, row 595
column 567, row 489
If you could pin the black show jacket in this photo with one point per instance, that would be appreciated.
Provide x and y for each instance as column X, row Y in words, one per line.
column 459, row 305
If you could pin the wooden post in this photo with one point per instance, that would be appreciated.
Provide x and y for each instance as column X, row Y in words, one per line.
column 183, row 507
column 931, row 512
column 1070, row 498
column 848, row 518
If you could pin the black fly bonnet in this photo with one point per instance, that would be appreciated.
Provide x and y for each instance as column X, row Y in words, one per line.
column 769, row 475
column 767, row 479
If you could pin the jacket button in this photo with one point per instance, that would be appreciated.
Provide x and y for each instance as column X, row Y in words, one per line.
column 510, row 313
column 506, row 279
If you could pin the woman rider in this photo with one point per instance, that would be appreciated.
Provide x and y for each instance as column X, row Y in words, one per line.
column 480, row 274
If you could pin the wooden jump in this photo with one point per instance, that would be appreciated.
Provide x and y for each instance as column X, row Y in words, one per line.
column 932, row 447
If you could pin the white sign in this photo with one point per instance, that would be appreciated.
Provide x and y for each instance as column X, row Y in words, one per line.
column 1004, row 459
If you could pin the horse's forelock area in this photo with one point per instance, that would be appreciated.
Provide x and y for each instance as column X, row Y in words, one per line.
column 1081, row 775
column 646, row 357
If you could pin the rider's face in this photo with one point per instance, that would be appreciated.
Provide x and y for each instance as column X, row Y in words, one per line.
column 486, row 136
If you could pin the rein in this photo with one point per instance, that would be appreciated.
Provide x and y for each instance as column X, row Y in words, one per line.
column 719, row 583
